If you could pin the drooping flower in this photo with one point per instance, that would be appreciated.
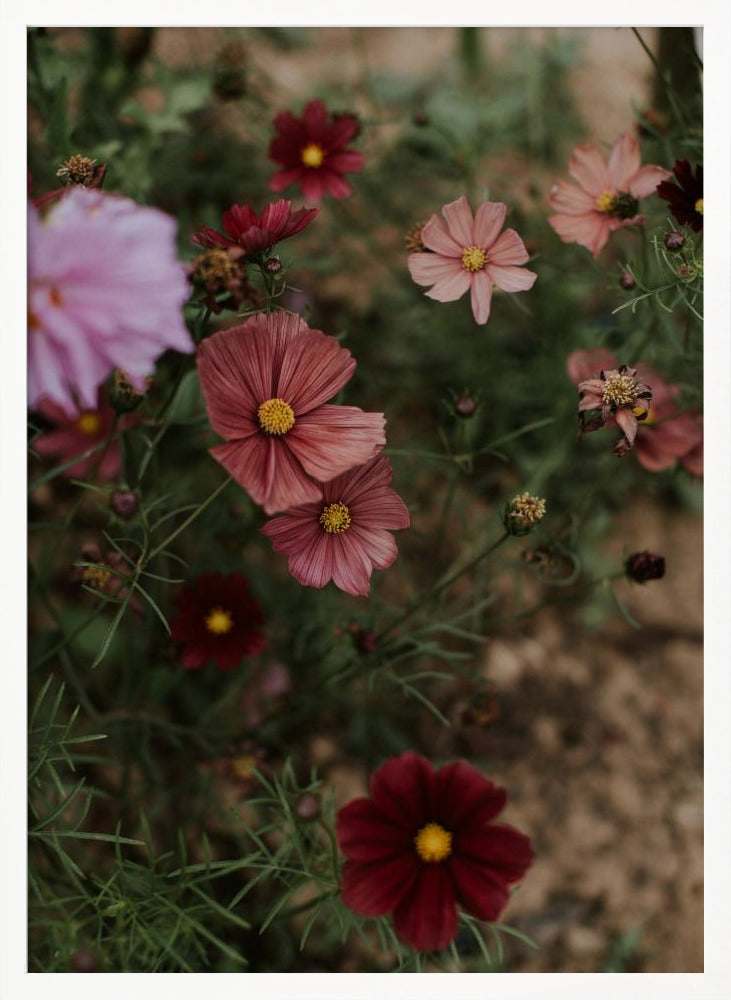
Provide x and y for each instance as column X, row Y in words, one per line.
column 254, row 233
column 76, row 432
column 666, row 435
column 685, row 197
column 218, row 619
column 312, row 152
column 424, row 843
column 266, row 385
column 608, row 194
column 105, row 291
column 346, row 535
column 619, row 394
column 471, row 254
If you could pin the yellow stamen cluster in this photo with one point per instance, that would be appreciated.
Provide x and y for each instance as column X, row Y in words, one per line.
column 312, row 155
column 433, row 843
column 77, row 170
column 219, row 621
column 620, row 391
column 95, row 576
column 605, row 202
column 527, row 510
column 276, row 417
column 243, row 767
column 699, row 206
column 89, row 422
column 473, row 258
column 335, row 518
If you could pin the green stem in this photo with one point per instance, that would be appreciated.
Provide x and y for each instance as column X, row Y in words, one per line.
column 189, row 520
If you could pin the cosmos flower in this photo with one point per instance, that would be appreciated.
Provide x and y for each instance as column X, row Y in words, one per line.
column 471, row 255
column 254, row 233
column 685, row 197
column 346, row 535
column 620, row 395
column 312, row 152
column 105, row 290
column 608, row 194
column 423, row 844
column 75, row 433
column 266, row 385
column 218, row 619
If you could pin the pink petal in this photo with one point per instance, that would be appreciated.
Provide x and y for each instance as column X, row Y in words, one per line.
column 352, row 567
column 459, row 221
column 646, row 180
column 512, row 279
column 314, row 368
column 378, row 544
column 590, row 230
column 628, row 423
column 507, row 250
column 361, row 482
column 481, row 296
column 427, row 918
column 429, row 268
column 451, row 288
column 582, row 365
column 693, row 461
column 235, row 369
column 332, row 439
column 435, row 236
column 377, row 888
column 590, row 401
column 334, row 183
column 570, row 199
column 312, row 565
column 268, row 472
column 624, row 162
column 313, row 185
column 489, row 220
column 381, row 507
column 294, row 529
column 587, row 167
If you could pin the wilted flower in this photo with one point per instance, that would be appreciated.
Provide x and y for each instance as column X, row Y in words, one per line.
column 619, row 394
column 254, row 233
column 266, row 385
column 523, row 513
column 423, row 844
column 105, row 290
column 471, row 254
column 644, row 566
column 685, row 197
column 124, row 396
column 608, row 194
column 82, row 170
column 312, row 151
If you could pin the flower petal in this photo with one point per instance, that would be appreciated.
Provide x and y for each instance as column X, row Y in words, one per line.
column 429, row 268
column 588, row 168
column 462, row 795
column 582, row 365
column 377, row 888
column 314, row 368
column 378, row 544
column 436, row 237
column 478, row 889
column 365, row 834
column 349, row 161
column 646, row 180
column 481, row 296
column 451, row 288
column 426, row 918
column 497, row 846
column 329, row 440
column 352, row 567
column 459, row 221
column 571, row 200
column 489, row 220
column 624, row 162
column 507, row 250
column 401, row 788
column 590, row 230
column 512, row 279
column 628, row 422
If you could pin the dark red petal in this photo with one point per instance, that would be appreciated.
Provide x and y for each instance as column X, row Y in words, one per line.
column 315, row 120
column 481, row 892
column 334, row 183
column 462, row 795
column 365, row 834
column 401, row 788
column 501, row 848
column 377, row 888
column 194, row 656
column 427, row 918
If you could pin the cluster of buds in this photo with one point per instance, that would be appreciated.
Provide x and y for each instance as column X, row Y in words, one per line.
column 523, row 513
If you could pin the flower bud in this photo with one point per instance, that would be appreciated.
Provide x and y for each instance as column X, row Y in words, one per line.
column 465, row 406
column 626, row 280
column 523, row 513
column 644, row 566
column 124, row 503
column 674, row 241
column 273, row 265
column 308, row 807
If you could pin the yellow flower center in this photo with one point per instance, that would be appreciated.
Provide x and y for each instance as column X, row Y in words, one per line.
column 699, row 206
column 243, row 767
column 95, row 576
column 620, row 391
column 276, row 416
column 605, row 202
column 219, row 621
column 335, row 518
column 473, row 258
column 312, row 155
column 433, row 843
column 88, row 423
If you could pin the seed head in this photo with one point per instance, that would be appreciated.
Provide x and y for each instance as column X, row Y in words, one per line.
column 523, row 513
column 308, row 807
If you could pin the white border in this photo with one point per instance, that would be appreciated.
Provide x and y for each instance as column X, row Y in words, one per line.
column 715, row 983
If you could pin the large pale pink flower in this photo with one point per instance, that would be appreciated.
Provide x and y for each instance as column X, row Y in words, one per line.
column 608, row 193
column 78, row 431
column 471, row 254
column 266, row 385
column 346, row 535
column 105, row 290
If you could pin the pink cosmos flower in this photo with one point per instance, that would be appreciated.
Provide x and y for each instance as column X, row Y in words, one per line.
column 345, row 536
column 607, row 196
column 471, row 254
column 105, row 291
column 254, row 233
column 312, row 151
column 76, row 432
column 266, row 384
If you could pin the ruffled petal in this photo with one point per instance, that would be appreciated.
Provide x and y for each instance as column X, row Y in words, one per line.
column 429, row 268
column 451, row 288
column 628, row 423
column 624, row 162
column 314, row 368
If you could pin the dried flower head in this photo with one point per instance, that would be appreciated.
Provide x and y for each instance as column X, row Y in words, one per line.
column 81, row 170
column 523, row 513
column 617, row 393
column 644, row 566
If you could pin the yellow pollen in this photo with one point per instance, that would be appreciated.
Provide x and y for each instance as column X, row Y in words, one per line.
column 88, row 422
column 527, row 509
column 605, row 202
column 699, row 206
column 243, row 767
column 219, row 621
column 473, row 259
column 620, row 391
column 433, row 843
column 276, row 416
column 95, row 576
column 312, row 155
column 335, row 518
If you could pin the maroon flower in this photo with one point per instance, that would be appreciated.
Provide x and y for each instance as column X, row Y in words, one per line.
column 254, row 233
column 685, row 197
column 424, row 843
column 218, row 619
column 312, row 152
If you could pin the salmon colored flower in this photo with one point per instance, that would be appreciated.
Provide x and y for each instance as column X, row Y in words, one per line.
column 608, row 194
column 312, row 152
column 685, row 197
column 75, row 433
column 424, row 843
column 471, row 255
column 620, row 396
column 346, row 535
column 255, row 233
column 218, row 619
column 266, row 385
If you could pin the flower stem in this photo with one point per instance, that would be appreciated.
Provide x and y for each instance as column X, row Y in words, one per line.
column 189, row 520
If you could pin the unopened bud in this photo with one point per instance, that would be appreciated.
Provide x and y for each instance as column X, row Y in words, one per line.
column 124, row 503
column 420, row 118
column 308, row 807
column 644, row 566
column 465, row 406
column 523, row 513
column 273, row 265
column 626, row 280
column 674, row 241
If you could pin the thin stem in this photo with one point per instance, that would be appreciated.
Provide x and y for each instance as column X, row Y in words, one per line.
column 189, row 520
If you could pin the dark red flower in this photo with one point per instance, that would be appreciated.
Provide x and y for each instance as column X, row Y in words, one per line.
column 254, row 233
column 218, row 619
column 685, row 197
column 424, row 844
column 312, row 152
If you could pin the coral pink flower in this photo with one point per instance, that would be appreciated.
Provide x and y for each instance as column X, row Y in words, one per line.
column 424, row 843
column 607, row 196
column 266, row 385
column 105, row 290
column 311, row 149
column 346, row 536
column 665, row 436
column 471, row 254
column 254, row 233
column 75, row 433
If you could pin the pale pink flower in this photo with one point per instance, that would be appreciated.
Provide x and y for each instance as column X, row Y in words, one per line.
column 346, row 535
column 471, row 254
column 607, row 196
column 266, row 385
column 105, row 291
